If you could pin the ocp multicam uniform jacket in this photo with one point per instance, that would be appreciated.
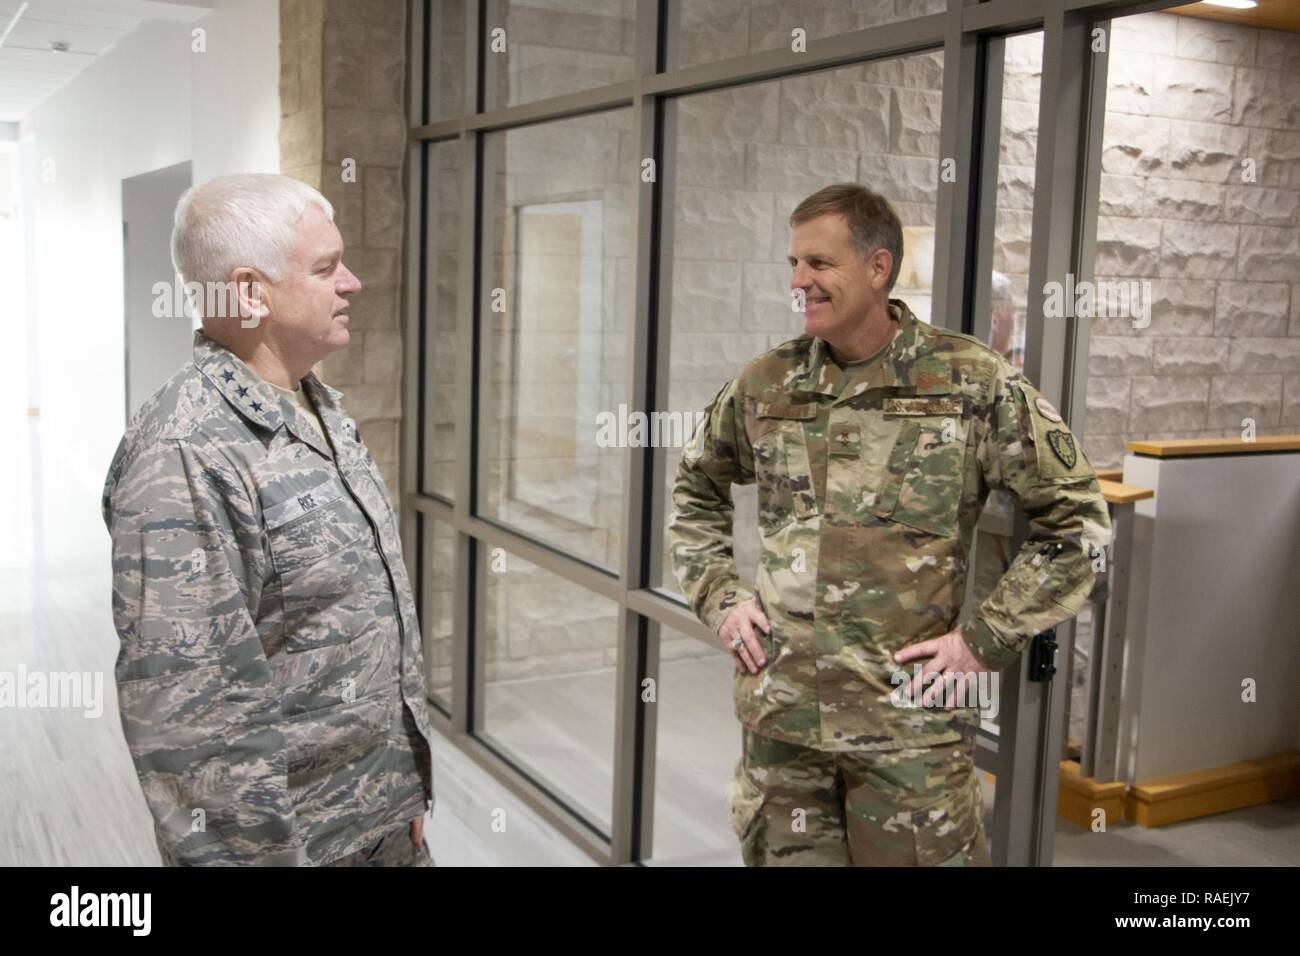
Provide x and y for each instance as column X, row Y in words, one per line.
column 870, row 482
column 270, row 680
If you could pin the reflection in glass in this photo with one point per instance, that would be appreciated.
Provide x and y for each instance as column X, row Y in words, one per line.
column 551, row 653
column 556, row 290
column 438, row 564
column 441, row 348
column 534, row 51
column 446, row 60
column 697, row 744
column 1014, row 202
column 1008, row 301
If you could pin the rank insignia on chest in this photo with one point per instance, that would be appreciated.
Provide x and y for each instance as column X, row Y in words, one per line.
column 845, row 441
column 1062, row 445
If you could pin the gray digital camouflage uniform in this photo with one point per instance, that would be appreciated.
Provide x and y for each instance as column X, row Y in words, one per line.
column 270, row 678
column 870, row 482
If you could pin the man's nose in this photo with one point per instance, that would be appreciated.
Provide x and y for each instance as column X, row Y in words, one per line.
column 350, row 283
column 799, row 279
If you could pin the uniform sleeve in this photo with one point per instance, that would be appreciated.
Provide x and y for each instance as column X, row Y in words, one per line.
column 1026, row 449
column 199, row 709
column 699, row 533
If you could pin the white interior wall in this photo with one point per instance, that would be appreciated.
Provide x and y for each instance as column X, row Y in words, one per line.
column 150, row 102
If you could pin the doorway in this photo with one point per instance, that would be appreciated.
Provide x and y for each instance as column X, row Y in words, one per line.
column 158, row 332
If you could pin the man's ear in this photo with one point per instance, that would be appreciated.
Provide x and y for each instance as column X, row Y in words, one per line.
column 882, row 263
column 248, row 294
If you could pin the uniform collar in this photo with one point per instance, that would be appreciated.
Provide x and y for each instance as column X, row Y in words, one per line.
column 257, row 401
column 892, row 368
column 330, row 409
column 296, row 417
column 246, row 392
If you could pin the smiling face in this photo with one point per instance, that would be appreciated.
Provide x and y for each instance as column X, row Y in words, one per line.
column 308, row 307
column 840, row 288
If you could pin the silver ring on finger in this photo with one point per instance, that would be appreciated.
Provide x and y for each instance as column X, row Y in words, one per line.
column 737, row 642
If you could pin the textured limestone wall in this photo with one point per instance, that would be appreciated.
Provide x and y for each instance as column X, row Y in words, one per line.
column 342, row 78
column 1188, row 101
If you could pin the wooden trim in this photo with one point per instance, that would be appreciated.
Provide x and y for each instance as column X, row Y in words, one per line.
column 1120, row 494
column 1110, row 474
column 1077, row 797
column 1269, row 15
column 1200, row 793
column 1182, row 447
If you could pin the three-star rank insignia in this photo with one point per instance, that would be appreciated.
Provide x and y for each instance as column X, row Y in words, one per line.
column 1062, row 445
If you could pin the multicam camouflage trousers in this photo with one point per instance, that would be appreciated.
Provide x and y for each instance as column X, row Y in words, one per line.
column 795, row 806
column 393, row 849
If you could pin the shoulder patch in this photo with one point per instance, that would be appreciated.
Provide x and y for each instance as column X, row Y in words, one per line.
column 1057, row 451
column 1062, row 445
column 1046, row 410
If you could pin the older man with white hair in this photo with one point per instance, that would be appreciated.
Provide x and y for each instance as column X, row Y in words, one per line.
column 270, row 678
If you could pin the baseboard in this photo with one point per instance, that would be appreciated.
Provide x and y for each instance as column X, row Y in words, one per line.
column 1177, row 797
column 1079, row 797
column 1200, row 793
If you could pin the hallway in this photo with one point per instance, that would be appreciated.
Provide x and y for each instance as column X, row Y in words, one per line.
column 71, row 795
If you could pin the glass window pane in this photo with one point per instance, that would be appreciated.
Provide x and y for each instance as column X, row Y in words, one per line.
column 1022, row 73
column 697, row 744
column 557, row 273
column 446, row 60
column 441, row 349
column 745, row 157
column 705, row 31
column 553, row 47
column 551, row 652
column 437, row 605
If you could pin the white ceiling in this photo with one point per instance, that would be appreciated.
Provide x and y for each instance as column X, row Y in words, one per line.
column 30, row 70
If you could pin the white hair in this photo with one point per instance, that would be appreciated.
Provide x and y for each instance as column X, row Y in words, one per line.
column 246, row 219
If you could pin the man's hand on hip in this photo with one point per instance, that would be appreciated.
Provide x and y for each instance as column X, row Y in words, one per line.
column 738, row 632
column 947, row 655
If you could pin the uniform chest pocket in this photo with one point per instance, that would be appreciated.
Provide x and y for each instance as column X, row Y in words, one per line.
column 781, row 466
column 322, row 551
column 927, row 465
column 306, row 528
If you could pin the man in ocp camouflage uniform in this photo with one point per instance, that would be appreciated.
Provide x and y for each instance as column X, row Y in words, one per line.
column 270, row 680
column 874, row 440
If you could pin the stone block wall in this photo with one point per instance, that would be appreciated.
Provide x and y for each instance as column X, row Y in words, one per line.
column 712, row 30
column 1189, row 101
column 342, row 88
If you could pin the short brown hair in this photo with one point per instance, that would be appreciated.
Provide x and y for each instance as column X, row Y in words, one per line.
column 873, row 224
